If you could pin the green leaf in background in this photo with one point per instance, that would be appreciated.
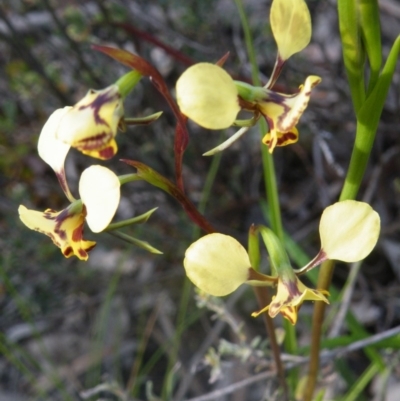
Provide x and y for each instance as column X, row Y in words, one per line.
column 367, row 124
column 371, row 37
column 134, row 241
column 353, row 50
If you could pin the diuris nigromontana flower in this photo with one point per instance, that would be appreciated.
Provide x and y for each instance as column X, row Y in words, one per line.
column 210, row 97
column 290, row 295
column 207, row 95
column 218, row 264
column 99, row 189
column 283, row 112
column 89, row 126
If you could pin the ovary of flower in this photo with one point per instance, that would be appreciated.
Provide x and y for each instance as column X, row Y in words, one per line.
column 283, row 113
column 207, row 95
column 291, row 293
column 291, row 26
column 99, row 188
column 349, row 230
column 217, row 264
column 91, row 124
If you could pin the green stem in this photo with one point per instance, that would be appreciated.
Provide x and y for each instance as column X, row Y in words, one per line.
column 273, row 199
column 358, row 163
column 367, row 124
column 124, row 179
column 127, row 82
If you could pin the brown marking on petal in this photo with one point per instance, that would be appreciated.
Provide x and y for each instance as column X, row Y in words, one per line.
column 94, row 142
column 68, row 251
column 107, row 153
column 61, row 233
column 278, row 305
column 62, row 216
column 77, row 234
column 82, row 253
column 274, row 308
column 97, row 104
column 293, row 290
column 286, row 137
column 49, row 235
column 245, row 105
column 277, row 98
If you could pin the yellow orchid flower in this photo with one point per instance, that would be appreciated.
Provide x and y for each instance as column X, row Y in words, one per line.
column 283, row 112
column 218, row 264
column 291, row 293
column 91, row 124
column 209, row 96
column 99, row 188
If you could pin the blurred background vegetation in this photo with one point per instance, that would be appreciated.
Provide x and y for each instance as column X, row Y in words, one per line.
column 125, row 324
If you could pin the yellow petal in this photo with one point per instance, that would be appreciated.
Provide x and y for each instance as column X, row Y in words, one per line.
column 217, row 264
column 207, row 94
column 99, row 189
column 91, row 125
column 65, row 228
column 104, row 152
column 50, row 149
column 276, row 138
column 349, row 230
column 284, row 111
column 291, row 26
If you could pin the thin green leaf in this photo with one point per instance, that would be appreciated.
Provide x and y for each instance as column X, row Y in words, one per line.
column 371, row 36
column 353, row 50
column 134, row 220
column 367, row 124
column 361, row 383
column 131, row 240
